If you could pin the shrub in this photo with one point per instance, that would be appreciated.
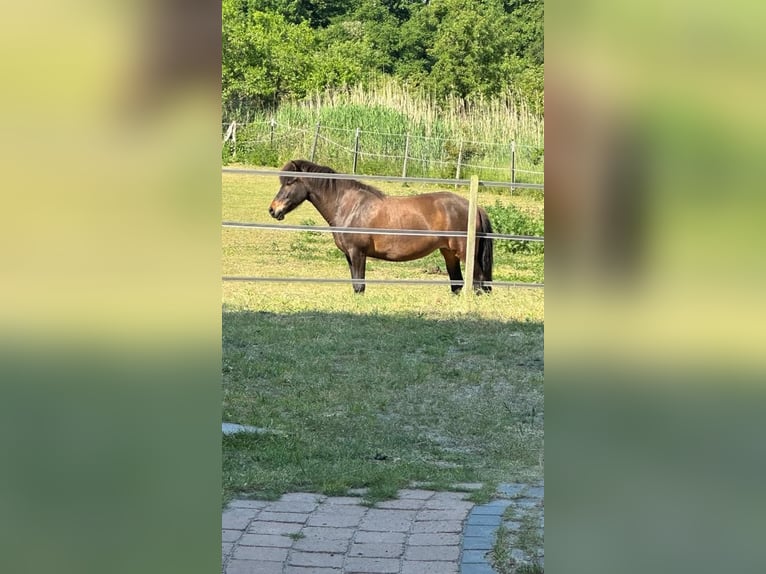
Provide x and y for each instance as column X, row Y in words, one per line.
column 510, row 220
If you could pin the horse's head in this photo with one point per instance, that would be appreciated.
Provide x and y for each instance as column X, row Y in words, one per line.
column 292, row 192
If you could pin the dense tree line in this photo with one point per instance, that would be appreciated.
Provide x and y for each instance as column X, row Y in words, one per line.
column 289, row 48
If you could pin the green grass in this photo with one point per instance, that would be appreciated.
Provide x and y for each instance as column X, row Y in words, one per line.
column 373, row 400
column 500, row 555
column 527, row 539
column 402, row 384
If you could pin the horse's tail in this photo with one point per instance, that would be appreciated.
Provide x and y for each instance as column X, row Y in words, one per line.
column 484, row 251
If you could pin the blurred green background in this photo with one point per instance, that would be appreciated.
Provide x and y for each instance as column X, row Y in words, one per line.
column 110, row 287
column 654, row 338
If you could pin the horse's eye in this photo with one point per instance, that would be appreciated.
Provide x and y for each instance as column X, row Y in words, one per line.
column 290, row 181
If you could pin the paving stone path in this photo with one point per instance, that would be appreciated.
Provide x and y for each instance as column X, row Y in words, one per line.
column 420, row 532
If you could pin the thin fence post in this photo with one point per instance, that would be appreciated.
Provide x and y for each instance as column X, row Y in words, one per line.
column 227, row 135
column 470, row 247
column 314, row 145
column 231, row 134
column 356, row 149
column 406, row 153
column 459, row 161
column 513, row 164
column 272, row 123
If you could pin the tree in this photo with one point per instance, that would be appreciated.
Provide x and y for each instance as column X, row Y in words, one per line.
column 469, row 48
column 286, row 48
column 317, row 13
column 264, row 57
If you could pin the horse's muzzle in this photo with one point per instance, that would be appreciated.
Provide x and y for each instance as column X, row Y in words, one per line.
column 278, row 213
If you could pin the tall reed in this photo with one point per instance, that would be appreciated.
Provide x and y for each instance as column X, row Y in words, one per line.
column 476, row 133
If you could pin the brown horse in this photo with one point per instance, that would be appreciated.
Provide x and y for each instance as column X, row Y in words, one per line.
column 349, row 203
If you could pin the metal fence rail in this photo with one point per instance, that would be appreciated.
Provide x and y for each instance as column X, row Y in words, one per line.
column 423, row 180
column 473, row 182
column 378, row 231
column 445, row 282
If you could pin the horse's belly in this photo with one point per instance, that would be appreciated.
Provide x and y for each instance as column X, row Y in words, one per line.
column 403, row 248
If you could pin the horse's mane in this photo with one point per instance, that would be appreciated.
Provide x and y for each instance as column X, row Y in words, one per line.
column 340, row 184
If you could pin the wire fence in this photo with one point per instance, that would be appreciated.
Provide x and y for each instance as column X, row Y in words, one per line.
column 409, row 179
column 320, row 280
column 370, row 151
column 367, row 230
column 378, row 231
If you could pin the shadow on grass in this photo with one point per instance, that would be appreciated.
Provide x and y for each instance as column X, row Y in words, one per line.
column 379, row 401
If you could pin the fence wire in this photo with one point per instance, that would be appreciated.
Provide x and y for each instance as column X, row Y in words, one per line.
column 445, row 282
column 288, row 126
column 427, row 153
column 423, row 180
column 376, row 231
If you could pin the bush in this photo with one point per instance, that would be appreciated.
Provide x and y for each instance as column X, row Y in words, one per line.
column 262, row 155
column 510, row 220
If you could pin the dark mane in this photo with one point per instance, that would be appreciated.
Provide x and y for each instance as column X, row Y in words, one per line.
column 322, row 184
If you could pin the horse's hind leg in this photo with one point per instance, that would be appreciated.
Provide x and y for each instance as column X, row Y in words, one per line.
column 452, row 261
column 478, row 280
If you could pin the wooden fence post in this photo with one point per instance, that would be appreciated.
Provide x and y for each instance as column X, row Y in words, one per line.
column 314, row 145
column 470, row 248
column 356, row 149
column 406, row 153
column 459, row 161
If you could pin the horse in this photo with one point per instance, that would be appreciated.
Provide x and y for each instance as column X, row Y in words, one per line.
column 350, row 203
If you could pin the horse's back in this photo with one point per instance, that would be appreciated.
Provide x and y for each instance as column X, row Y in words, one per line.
column 438, row 210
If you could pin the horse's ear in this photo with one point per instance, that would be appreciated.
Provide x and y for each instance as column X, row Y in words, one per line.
column 290, row 166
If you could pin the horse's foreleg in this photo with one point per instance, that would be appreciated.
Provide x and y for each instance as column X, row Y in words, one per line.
column 357, row 262
column 452, row 262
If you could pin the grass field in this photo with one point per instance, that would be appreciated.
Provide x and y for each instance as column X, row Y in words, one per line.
column 402, row 384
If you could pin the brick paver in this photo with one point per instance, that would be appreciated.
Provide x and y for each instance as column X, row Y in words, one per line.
column 439, row 539
column 253, row 567
column 318, row 544
column 376, row 550
column 237, row 518
column 282, row 528
column 420, row 532
column 266, row 554
column 309, row 570
column 387, row 520
column 436, row 526
column 421, row 567
column 321, row 559
column 433, row 553
column 372, row 566
column 328, row 533
column 380, row 537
